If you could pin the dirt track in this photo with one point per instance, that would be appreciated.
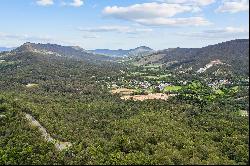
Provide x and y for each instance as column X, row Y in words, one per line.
column 58, row 144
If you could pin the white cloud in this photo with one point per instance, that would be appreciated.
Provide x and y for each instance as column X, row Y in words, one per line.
column 227, row 32
column 190, row 2
column 119, row 29
column 147, row 10
column 88, row 36
column 45, row 2
column 24, row 37
column 234, row 6
column 156, row 14
column 74, row 3
column 190, row 21
column 77, row 3
column 12, row 40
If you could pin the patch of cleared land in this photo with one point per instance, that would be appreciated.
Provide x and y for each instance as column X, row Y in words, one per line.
column 31, row 85
column 244, row 113
column 220, row 92
column 2, row 116
column 151, row 96
column 123, row 91
column 58, row 144
column 152, row 65
column 241, row 98
column 127, row 94
column 209, row 65
column 3, row 62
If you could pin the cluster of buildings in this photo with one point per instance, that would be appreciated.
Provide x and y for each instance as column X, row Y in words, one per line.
column 218, row 83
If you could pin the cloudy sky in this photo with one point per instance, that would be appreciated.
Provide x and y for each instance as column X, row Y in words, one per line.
column 123, row 24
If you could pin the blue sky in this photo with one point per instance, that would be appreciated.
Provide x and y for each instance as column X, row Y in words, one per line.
column 123, row 24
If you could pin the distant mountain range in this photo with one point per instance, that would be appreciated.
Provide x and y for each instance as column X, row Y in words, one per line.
column 139, row 51
column 233, row 54
column 60, row 51
column 79, row 53
column 6, row 49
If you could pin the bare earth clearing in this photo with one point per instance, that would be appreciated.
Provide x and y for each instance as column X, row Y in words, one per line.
column 123, row 91
column 127, row 94
column 150, row 96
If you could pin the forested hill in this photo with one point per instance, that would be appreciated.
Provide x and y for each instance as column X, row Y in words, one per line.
column 139, row 51
column 62, row 51
column 233, row 53
column 51, row 72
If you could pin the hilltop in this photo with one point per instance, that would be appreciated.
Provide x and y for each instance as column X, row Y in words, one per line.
column 60, row 51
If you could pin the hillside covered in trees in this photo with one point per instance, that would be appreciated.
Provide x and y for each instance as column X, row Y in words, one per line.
column 70, row 97
column 234, row 53
column 61, row 51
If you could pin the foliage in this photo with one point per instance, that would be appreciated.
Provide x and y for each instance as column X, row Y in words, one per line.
column 72, row 101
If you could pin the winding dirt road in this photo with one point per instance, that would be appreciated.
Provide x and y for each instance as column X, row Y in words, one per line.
column 58, row 144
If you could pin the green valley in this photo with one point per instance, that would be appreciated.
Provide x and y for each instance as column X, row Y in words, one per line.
column 171, row 115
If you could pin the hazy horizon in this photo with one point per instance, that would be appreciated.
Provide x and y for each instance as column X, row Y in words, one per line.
column 122, row 48
column 93, row 24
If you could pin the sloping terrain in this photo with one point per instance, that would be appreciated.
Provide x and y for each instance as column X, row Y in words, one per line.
column 51, row 72
column 70, row 98
column 233, row 53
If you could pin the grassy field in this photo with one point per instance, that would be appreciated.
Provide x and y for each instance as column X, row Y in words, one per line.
column 220, row 92
column 172, row 88
column 153, row 66
column 157, row 77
